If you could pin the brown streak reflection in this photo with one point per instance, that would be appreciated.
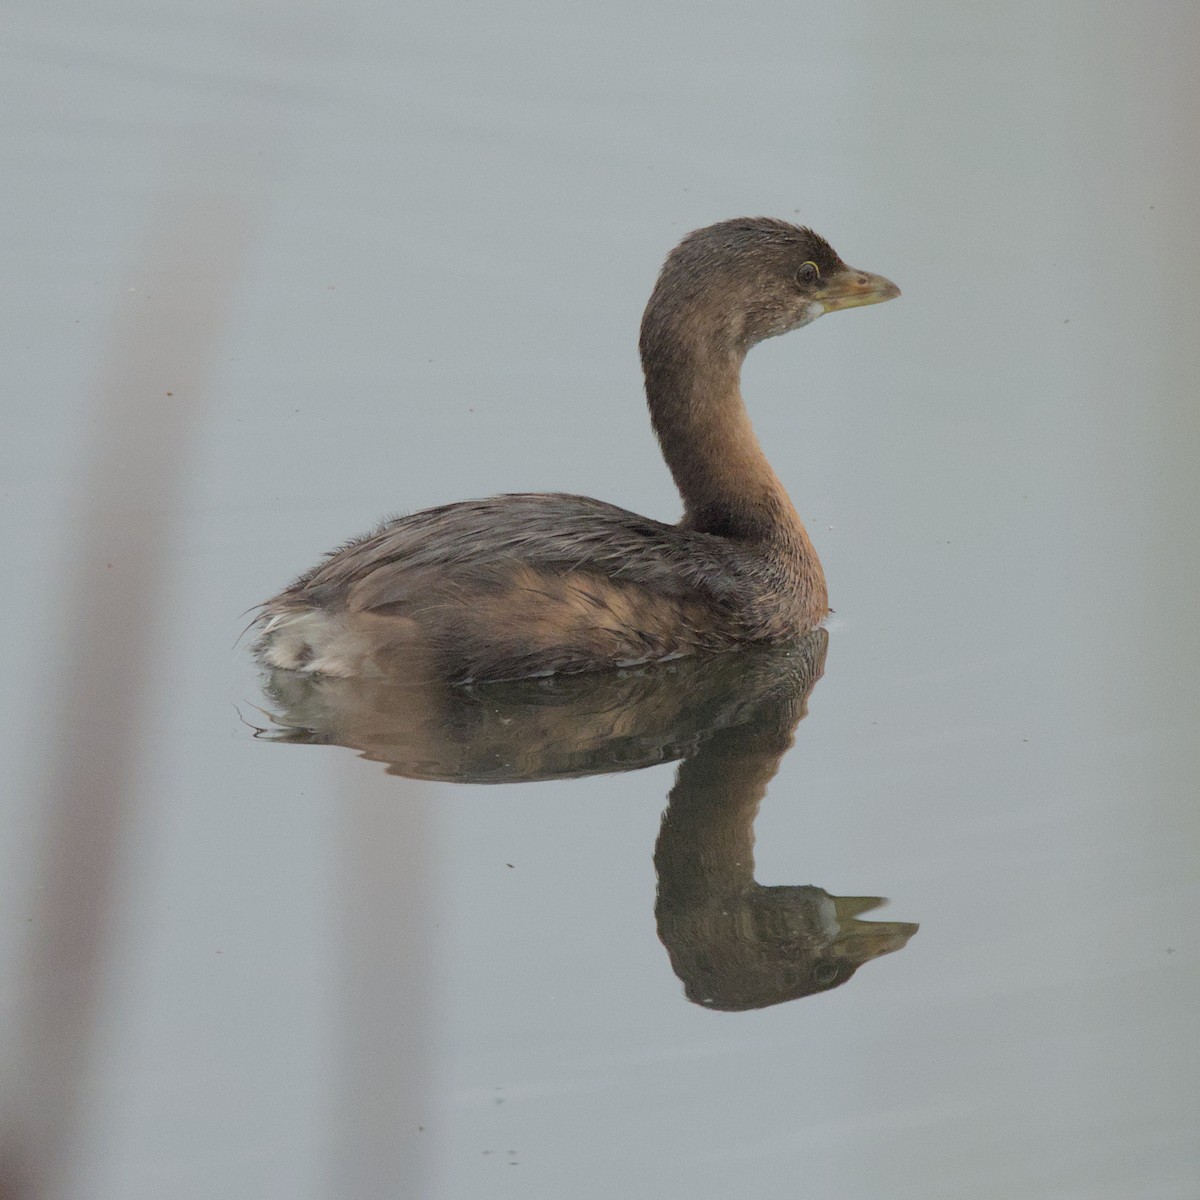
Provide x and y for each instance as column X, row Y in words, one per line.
column 383, row 1070
column 150, row 397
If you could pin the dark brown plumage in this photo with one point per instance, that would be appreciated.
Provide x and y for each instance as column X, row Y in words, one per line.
column 523, row 585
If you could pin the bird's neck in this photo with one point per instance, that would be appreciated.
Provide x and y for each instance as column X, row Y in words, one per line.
column 727, row 485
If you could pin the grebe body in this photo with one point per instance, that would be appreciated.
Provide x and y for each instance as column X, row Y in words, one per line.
column 524, row 585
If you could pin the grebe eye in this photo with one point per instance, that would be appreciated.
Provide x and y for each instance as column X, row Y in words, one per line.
column 808, row 274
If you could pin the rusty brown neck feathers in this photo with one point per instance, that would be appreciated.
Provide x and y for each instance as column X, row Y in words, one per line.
column 692, row 357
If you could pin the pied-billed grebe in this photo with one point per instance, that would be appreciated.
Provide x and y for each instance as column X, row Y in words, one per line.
column 524, row 585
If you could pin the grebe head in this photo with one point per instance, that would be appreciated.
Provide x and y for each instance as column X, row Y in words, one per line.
column 733, row 284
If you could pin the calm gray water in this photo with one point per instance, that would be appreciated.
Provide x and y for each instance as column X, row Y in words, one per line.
column 275, row 270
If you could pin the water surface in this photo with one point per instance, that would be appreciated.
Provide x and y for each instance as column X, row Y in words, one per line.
column 274, row 272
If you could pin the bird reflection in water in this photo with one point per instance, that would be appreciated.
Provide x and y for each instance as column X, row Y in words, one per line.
column 729, row 718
